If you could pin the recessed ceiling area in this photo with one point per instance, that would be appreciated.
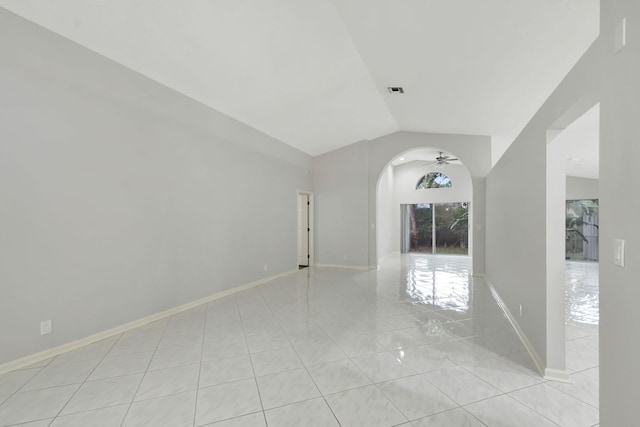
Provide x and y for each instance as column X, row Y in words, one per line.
column 314, row 74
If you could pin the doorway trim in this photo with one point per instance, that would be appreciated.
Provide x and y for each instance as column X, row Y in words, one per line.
column 555, row 240
column 311, row 226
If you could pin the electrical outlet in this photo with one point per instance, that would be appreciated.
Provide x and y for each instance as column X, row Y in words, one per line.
column 45, row 327
column 266, row 267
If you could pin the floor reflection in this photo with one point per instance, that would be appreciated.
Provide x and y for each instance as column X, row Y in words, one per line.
column 582, row 331
column 459, row 310
column 416, row 342
column 582, row 293
column 436, row 281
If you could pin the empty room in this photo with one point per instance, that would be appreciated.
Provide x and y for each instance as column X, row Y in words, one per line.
column 319, row 213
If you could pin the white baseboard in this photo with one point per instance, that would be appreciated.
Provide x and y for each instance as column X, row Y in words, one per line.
column 348, row 267
column 559, row 375
column 535, row 357
column 46, row 354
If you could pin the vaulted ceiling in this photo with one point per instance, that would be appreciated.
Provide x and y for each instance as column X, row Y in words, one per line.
column 314, row 73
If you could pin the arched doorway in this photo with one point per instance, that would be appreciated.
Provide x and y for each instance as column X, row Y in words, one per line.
column 413, row 186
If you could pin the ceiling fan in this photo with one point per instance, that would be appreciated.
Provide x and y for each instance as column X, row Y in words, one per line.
column 441, row 160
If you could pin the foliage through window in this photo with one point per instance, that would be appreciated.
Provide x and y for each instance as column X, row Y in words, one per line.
column 434, row 180
column 582, row 230
column 437, row 228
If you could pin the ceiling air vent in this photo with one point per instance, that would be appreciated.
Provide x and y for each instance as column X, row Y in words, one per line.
column 395, row 89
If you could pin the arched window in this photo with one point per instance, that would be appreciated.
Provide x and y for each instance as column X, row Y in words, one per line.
column 434, row 180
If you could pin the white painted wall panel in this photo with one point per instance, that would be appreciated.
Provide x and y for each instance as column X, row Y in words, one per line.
column 122, row 198
column 581, row 188
column 340, row 186
column 516, row 199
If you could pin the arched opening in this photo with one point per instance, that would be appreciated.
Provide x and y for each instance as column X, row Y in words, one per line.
column 424, row 206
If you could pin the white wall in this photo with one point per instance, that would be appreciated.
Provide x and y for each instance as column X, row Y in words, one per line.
column 341, row 177
column 498, row 146
column 122, row 198
column 555, row 254
column 581, row 188
column 619, row 175
column 515, row 255
column 340, row 185
column 516, row 199
column 517, row 216
column 388, row 214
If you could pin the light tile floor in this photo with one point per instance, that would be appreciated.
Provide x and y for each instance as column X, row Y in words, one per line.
column 582, row 332
column 416, row 343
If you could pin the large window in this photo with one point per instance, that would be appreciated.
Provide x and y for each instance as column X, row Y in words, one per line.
column 582, row 230
column 440, row 228
column 434, row 180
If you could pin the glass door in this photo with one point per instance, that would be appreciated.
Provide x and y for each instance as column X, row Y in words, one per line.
column 582, row 229
column 440, row 228
column 417, row 228
column 452, row 228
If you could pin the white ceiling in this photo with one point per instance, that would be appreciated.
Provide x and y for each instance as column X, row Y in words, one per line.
column 313, row 73
column 581, row 142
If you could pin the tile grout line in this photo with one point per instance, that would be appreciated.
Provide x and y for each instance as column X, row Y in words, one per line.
column 573, row 396
column 304, row 365
column 85, row 380
column 253, row 369
column 204, row 330
column 416, row 373
column 164, row 330
column 373, row 383
column 309, row 321
column 524, row 404
column 9, row 396
column 301, row 361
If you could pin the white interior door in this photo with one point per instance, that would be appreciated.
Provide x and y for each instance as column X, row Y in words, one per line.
column 303, row 229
